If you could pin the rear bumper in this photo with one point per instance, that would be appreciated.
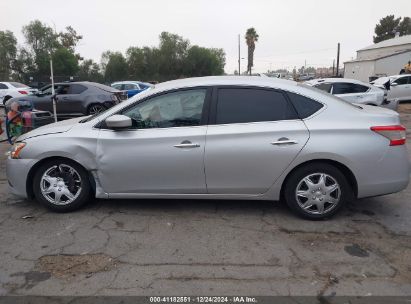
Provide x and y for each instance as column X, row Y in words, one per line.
column 390, row 104
column 389, row 175
column 17, row 171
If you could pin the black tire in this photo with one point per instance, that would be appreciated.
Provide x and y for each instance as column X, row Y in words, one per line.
column 332, row 175
column 5, row 100
column 91, row 108
column 81, row 197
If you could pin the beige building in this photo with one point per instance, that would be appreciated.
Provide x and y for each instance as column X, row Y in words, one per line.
column 381, row 59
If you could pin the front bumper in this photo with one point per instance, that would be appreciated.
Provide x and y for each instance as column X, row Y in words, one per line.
column 17, row 171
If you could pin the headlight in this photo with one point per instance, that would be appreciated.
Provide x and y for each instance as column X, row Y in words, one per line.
column 15, row 151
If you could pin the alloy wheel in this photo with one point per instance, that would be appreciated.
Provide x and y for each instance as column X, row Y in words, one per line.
column 94, row 109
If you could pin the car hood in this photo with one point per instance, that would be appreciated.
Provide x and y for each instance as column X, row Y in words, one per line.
column 57, row 127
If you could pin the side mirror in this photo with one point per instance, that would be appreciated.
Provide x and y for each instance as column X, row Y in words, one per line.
column 118, row 122
column 394, row 84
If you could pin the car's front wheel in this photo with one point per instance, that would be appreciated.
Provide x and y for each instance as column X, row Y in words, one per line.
column 317, row 191
column 61, row 185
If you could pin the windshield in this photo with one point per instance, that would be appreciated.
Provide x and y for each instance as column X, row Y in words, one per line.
column 18, row 85
column 381, row 80
column 91, row 117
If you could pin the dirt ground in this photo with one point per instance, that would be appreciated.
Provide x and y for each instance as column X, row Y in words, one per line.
column 188, row 247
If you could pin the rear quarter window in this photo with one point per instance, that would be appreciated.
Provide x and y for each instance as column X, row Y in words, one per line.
column 304, row 106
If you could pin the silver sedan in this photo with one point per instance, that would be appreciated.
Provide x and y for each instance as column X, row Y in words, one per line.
column 221, row 138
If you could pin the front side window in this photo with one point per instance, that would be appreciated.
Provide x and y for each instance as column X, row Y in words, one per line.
column 62, row 89
column 243, row 105
column 401, row 81
column 177, row 109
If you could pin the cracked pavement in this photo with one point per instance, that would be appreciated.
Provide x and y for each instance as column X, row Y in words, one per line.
column 197, row 247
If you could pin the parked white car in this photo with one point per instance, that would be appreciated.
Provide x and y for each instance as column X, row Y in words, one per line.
column 398, row 86
column 13, row 89
column 354, row 91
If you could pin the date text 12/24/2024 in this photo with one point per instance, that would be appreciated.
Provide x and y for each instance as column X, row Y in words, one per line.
column 202, row 299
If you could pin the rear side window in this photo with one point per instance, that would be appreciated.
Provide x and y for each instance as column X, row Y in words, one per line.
column 3, row 86
column 326, row 87
column 18, row 85
column 348, row 88
column 131, row 86
column 305, row 106
column 242, row 105
column 77, row 89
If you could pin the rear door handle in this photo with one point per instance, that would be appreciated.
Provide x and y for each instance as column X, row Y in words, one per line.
column 187, row 145
column 284, row 142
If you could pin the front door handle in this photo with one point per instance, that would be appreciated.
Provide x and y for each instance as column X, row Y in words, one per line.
column 187, row 145
column 284, row 141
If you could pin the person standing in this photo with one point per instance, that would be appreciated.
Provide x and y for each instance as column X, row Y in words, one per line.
column 407, row 67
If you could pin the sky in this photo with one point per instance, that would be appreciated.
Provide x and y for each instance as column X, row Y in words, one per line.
column 292, row 32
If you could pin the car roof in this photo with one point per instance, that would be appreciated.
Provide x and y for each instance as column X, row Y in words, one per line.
column 349, row 80
column 227, row 81
column 73, row 82
column 132, row 82
column 398, row 76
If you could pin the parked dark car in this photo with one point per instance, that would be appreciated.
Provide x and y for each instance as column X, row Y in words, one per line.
column 75, row 98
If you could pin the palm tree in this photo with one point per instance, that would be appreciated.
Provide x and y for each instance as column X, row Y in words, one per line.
column 251, row 37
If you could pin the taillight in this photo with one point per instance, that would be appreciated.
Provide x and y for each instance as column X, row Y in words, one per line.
column 23, row 92
column 395, row 134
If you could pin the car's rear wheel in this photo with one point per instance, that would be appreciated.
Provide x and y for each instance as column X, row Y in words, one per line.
column 95, row 108
column 317, row 191
column 61, row 185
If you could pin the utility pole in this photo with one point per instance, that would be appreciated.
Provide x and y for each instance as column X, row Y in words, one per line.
column 53, row 93
column 239, row 56
column 53, row 96
column 338, row 58
column 333, row 67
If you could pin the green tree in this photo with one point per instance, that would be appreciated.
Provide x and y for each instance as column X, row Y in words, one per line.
column 8, row 53
column 90, row 71
column 405, row 26
column 251, row 37
column 24, row 66
column 44, row 42
column 65, row 63
column 136, row 66
column 116, row 67
column 173, row 50
column 389, row 25
column 69, row 39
